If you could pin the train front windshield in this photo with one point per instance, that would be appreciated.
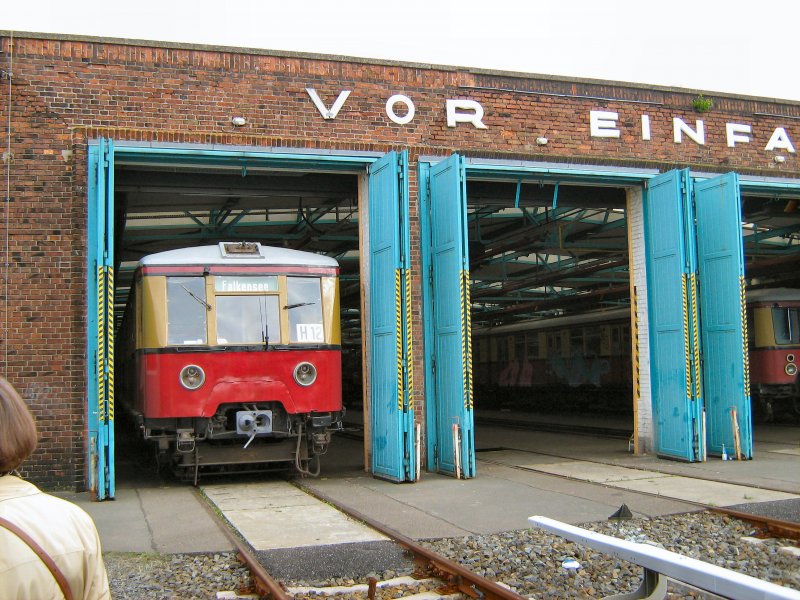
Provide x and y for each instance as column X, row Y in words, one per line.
column 186, row 310
column 248, row 320
column 305, row 309
column 787, row 325
column 245, row 310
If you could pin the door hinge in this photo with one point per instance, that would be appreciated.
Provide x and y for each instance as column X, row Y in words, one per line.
column 685, row 187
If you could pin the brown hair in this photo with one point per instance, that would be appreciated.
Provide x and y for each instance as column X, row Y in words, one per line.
column 17, row 429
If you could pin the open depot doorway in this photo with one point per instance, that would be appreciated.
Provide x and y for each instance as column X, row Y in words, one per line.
column 691, row 304
column 550, row 297
column 544, row 256
column 771, row 238
column 147, row 199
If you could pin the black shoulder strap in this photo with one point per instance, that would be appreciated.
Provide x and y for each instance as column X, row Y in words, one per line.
column 49, row 562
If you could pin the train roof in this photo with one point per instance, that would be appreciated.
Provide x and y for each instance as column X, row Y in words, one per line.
column 773, row 295
column 590, row 318
column 238, row 253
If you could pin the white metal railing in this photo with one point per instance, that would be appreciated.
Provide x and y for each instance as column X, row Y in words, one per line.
column 660, row 564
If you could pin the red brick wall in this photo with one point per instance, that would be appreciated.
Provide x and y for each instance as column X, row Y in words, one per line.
column 66, row 92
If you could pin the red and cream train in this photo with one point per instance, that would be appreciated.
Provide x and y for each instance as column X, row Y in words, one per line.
column 232, row 356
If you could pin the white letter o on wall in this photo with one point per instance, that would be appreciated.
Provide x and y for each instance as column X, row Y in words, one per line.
column 390, row 109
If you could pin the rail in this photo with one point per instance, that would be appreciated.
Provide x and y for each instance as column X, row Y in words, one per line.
column 469, row 583
column 264, row 584
column 775, row 527
column 660, row 564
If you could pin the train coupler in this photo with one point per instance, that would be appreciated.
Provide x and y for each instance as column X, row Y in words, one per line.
column 186, row 442
column 320, row 441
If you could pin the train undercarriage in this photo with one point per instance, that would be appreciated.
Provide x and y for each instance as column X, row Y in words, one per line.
column 241, row 438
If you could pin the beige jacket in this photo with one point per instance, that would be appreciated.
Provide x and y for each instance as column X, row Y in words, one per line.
column 63, row 530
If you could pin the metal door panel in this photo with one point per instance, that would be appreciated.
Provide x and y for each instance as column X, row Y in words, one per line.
column 676, row 407
column 100, row 321
column 451, row 319
column 392, row 415
column 722, row 302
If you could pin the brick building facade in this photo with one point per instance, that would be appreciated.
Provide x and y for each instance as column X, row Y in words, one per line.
column 61, row 92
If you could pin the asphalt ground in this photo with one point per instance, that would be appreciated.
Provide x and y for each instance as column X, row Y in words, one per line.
column 571, row 478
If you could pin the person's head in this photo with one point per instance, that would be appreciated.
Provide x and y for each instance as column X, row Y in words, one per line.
column 17, row 428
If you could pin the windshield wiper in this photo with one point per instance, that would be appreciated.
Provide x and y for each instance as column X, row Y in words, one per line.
column 200, row 300
column 298, row 304
column 265, row 336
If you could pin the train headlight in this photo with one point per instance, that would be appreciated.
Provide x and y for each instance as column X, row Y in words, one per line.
column 192, row 377
column 305, row 374
column 791, row 369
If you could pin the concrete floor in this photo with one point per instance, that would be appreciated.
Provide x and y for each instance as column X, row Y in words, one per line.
column 571, row 478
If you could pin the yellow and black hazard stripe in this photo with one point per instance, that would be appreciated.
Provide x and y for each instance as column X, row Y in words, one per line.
column 398, row 323
column 687, row 354
column 409, row 340
column 695, row 338
column 466, row 342
column 101, row 343
column 635, row 341
column 745, row 353
column 110, row 340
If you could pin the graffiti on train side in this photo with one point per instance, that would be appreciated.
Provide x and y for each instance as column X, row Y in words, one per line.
column 575, row 370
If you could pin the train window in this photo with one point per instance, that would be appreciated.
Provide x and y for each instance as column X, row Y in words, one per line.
column 502, row 350
column 576, row 341
column 593, row 341
column 616, row 340
column 787, row 325
column 186, row 311
column 248, row 319
column 305, row 309
column 532, row 341
column 482, row 348
column 519, row 347
column 553, row 344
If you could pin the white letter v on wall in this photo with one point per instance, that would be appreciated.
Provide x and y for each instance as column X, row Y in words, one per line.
column 324, row 110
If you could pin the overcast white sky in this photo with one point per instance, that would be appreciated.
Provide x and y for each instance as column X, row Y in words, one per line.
column 739, row 46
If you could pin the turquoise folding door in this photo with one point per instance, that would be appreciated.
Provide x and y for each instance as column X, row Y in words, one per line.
column 720, row 259
column 392, row 411
column 674, row 346
column 100, row 320
column 448, row 336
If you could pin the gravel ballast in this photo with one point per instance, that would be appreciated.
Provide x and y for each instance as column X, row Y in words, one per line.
column 532, row 562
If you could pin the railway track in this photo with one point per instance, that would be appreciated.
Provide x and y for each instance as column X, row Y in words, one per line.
column 448, row 578
column 769, row 527
column 435, row 574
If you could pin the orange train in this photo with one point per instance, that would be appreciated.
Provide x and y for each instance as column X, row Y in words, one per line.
column 232, row 357
column 584, row 361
